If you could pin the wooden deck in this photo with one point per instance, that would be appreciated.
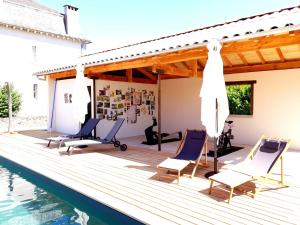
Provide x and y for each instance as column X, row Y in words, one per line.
column 127, row 182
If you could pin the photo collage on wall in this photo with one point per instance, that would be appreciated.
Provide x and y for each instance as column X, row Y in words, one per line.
column 130, row 104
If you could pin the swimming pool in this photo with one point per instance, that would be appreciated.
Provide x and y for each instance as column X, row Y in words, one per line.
column 28, row 198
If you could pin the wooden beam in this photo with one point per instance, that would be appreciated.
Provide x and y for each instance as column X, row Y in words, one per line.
column 261, row 57
column 166, row 58
column 226, row 60
column 186, row 65
column 263, row 67
column 200, row 66
column 63, row 74
column 129, row 75
column 166, row 77
column 195, row 67
column 146, row 73
column 121, row 79
column 171, row 70
column 280, row 54
column 242, row 57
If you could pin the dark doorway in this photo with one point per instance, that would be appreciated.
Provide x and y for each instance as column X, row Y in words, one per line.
column 89, row 108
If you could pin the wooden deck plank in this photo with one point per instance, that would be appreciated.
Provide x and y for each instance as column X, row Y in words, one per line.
column 129, row 178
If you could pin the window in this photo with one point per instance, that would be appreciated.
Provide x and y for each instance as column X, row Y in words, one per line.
column 240, row 97
column 35, row 91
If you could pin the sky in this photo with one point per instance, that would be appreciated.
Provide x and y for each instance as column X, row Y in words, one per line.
column 115, row 23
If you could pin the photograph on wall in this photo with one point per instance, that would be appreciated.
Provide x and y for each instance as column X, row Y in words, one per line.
column 118, row 92
column 136, row 98
column 114, row 106
column 131, row 114
column 102, row 92
column 132, row 103
column 66, row 97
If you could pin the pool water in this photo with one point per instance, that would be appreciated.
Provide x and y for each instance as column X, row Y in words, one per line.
column 23, row 202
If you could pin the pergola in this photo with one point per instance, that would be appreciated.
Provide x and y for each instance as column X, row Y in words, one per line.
column 272, row 42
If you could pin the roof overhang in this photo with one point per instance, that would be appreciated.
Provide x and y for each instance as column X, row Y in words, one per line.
column 276, row 48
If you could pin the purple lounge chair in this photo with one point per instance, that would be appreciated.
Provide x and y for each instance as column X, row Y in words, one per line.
column 257, row 166
column 190, row 151
column 84, row 133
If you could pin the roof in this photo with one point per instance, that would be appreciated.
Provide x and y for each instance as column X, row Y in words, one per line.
column 284, row 20
column 31, row 16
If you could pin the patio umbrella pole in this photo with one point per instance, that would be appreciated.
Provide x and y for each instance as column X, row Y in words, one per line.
column 159, row 111
column 210, row 173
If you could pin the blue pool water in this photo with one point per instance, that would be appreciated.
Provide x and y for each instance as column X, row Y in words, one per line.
column 27, row 198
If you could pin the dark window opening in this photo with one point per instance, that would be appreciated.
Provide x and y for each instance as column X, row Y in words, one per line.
column 35, row 91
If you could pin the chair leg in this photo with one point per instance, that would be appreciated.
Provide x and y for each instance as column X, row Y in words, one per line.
column 206, row 151
column 211, row 185
column 282, row 181
column 178, row 174
column 49, row 143
column 230, row 194
column 195, row 168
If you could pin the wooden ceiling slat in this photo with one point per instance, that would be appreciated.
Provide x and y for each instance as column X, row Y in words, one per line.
column 147, row 73
column 185, row 64
column 244, row 60
column 261, row 57
column 281, row 56
column 226, row 60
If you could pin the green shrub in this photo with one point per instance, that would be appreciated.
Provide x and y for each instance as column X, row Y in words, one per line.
column 16, row 101
column 239, row 99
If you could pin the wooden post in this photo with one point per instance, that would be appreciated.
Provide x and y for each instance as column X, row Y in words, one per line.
column 159, row 110
column 9, row 107
column 94, row 103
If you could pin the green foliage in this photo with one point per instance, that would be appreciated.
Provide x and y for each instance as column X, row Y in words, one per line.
column 239, row 99
column 16, row 101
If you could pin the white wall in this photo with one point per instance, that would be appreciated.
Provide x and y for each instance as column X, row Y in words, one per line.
column 127, row 129
column 18, row 64
column 276, row 106
column 63, row 117
column 180, row 104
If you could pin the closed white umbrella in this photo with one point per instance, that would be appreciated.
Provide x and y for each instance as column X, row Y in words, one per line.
column 81, row 95
column 214, row 101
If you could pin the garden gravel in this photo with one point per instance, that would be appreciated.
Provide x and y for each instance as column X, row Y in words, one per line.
column 24, row 123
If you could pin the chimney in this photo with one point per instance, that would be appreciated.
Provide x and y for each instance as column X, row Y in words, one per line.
column 71, row 20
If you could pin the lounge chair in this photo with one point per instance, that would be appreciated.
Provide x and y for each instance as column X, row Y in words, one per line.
column 189, row 151
column 85, row 132
column 258, row 165
column 109, row 139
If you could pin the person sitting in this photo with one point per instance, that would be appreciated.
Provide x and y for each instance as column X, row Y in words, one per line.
column 152, row 136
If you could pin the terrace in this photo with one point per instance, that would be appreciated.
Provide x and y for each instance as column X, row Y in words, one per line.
column 127, row 181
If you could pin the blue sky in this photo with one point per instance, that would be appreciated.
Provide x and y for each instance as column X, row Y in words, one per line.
column 113, row 23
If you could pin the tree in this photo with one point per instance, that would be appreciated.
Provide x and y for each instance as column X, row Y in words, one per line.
column 239, row 99
column 16, row 101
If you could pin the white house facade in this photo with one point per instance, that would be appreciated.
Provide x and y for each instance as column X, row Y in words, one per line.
column 33, row 35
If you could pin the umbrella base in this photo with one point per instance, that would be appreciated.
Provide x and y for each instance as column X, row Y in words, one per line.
column 209, row 174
